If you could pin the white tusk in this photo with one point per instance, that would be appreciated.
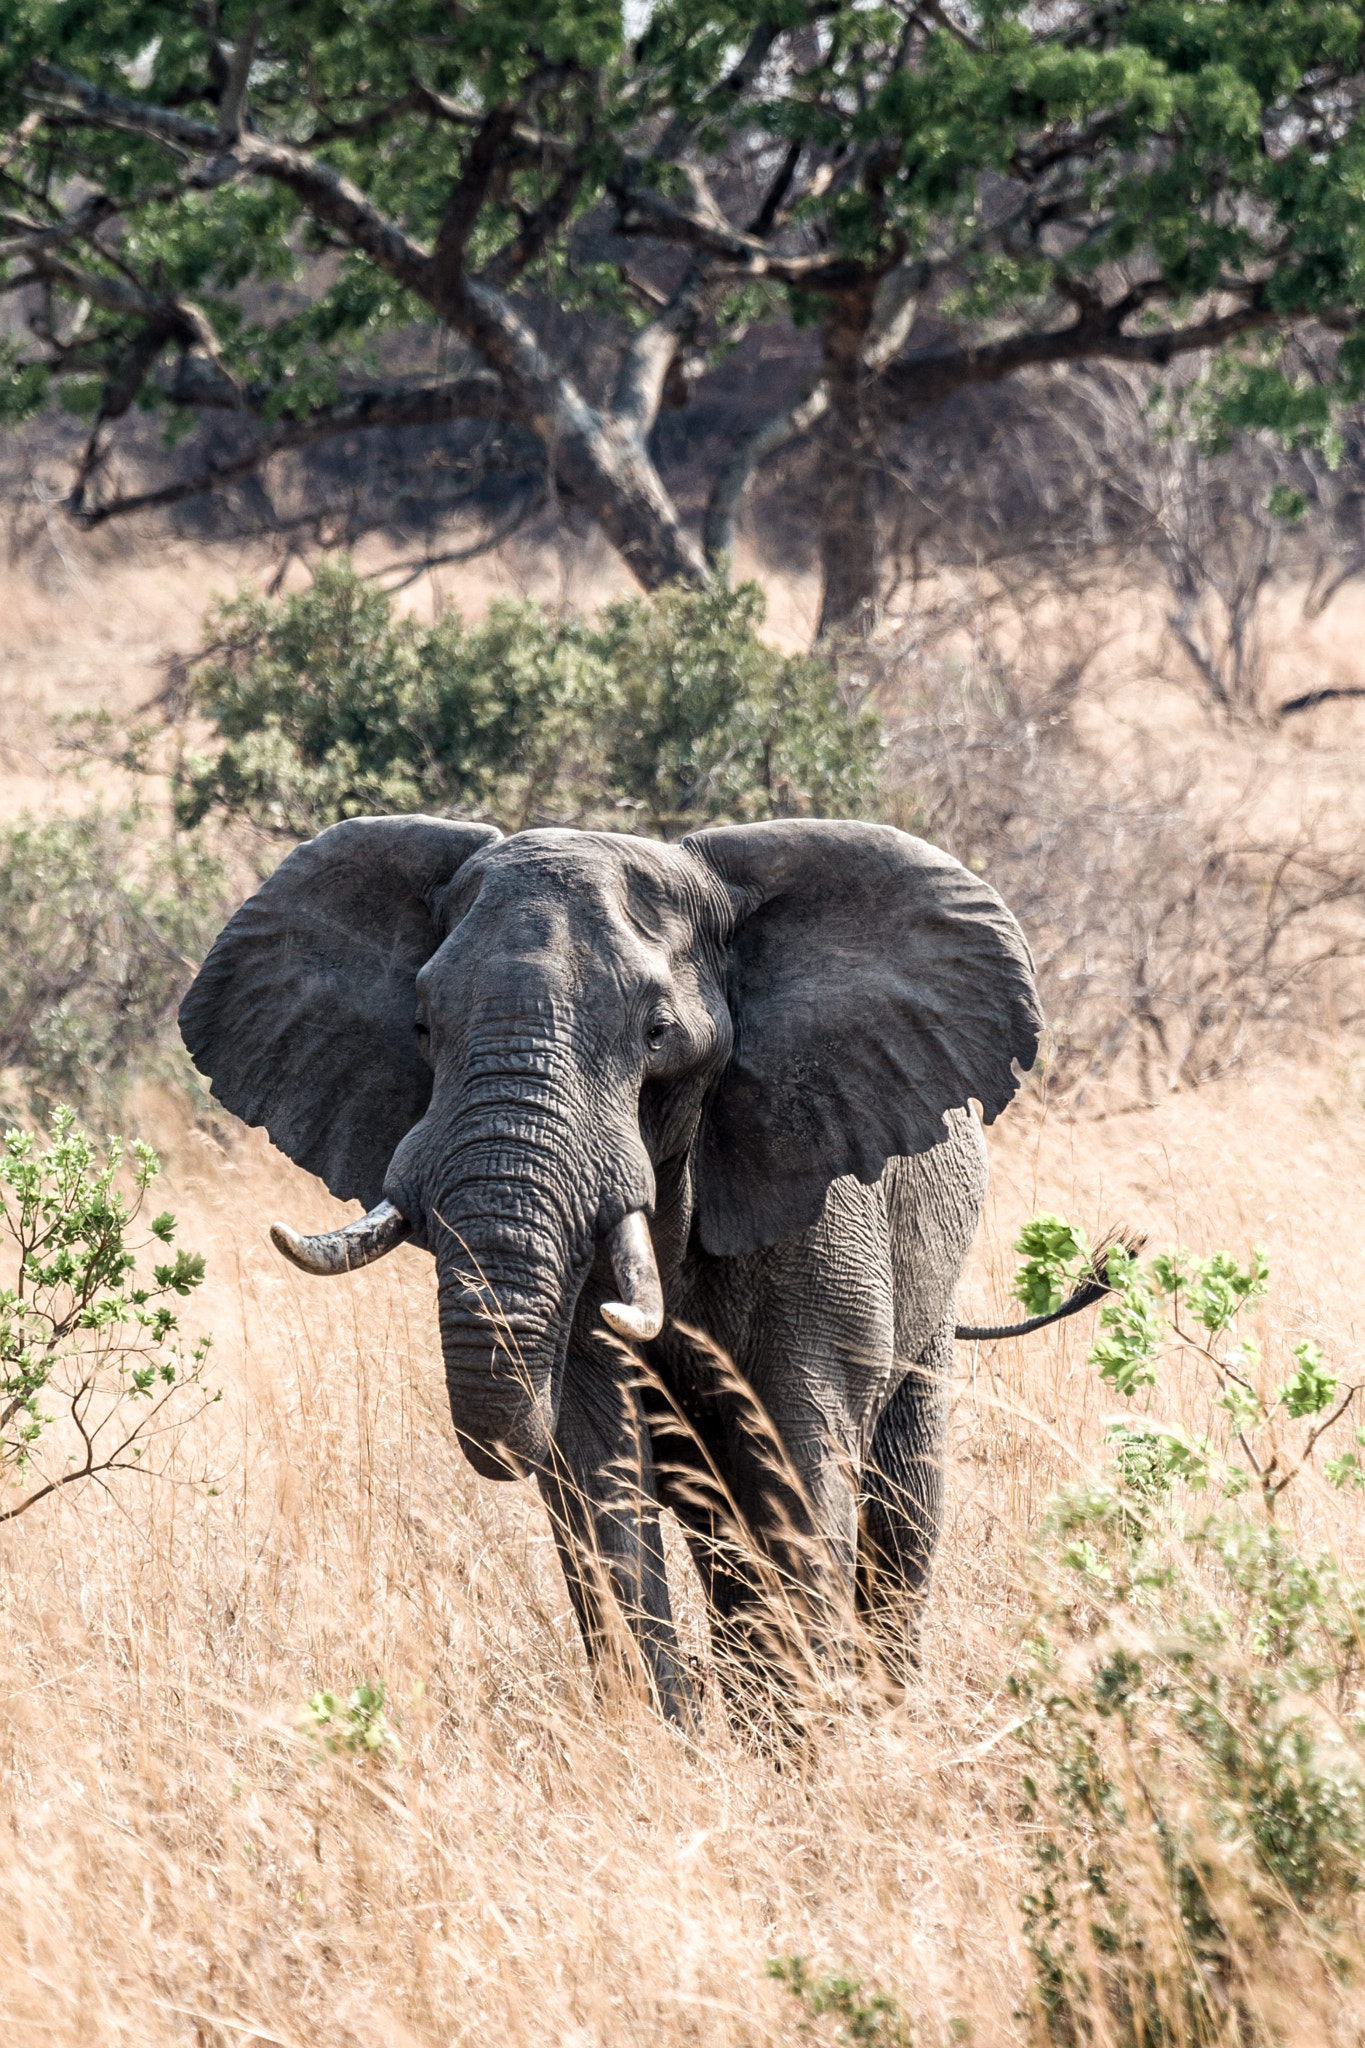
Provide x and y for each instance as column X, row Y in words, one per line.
column 342, row 1251
column 640, row 1314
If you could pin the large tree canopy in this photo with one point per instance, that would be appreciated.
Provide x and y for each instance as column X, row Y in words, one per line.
column 946, row 190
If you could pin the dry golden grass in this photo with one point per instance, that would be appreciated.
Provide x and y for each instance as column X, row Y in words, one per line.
column 541, row 1866
column 177, row 1865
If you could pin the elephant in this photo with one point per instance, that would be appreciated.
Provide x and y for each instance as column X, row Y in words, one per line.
column 688, row 1130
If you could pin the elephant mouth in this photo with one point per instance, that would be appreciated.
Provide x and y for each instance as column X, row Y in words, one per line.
column 637, row 1316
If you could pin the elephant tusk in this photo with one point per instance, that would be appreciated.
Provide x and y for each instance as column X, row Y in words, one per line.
column 342, row 1251
column 639, row 1315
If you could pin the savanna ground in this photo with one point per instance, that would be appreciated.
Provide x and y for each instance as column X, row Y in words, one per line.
column 179, row 1863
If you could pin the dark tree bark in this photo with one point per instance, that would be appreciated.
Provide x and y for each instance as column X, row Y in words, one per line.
column 850, row 466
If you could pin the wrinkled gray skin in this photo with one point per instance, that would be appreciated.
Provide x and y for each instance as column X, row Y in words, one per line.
column 765, row 1040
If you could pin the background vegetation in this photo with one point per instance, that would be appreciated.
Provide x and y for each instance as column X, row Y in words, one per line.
column 661, row 716
column 1016, row 354
column 560, row 220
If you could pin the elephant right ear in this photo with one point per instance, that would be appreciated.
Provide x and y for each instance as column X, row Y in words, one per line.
column 302, row 1015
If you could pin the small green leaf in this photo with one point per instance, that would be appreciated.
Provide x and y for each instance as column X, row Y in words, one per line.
column 1052, row 1252
column 1312, row 1387
column 184, row 1275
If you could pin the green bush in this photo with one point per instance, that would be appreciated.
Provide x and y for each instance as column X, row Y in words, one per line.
column 1194, row 1790
column 872, row 2019
column 1190, row 1701
column 1191, row 1695
column 666, row 713
column 100, row 930
column 93, row 1369
column 356, row 1727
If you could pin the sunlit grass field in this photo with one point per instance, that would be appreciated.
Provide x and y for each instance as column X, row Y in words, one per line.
column 182, row 1862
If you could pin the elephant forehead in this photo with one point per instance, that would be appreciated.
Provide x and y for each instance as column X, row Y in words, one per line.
column 601, row 888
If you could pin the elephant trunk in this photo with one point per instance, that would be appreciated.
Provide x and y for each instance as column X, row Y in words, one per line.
column 503, row 1190
column 502, row 1333
column 508, row 1286
column 513, row 1223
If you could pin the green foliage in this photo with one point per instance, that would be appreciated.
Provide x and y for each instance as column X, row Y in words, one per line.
column 1284, row 502
column 356, row 1727
column 99, row 925
column 1191, row 1696
column 1178, row 1306
column 93, row 1369
column 1207, row 152
column 1312, row 1388
column 873, row 2018
column 1131, row 1327
column 696, row 718
column 1053, row 1252
column 667, row 712
column 23, row 385
column 1192, row 1785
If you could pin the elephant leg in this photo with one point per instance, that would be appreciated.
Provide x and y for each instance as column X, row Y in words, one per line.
column 901, row 1510
column 601, row 1495
column 773, row 1540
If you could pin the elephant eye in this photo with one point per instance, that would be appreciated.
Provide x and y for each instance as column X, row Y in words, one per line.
column 422, row 1028
column 657, row 1033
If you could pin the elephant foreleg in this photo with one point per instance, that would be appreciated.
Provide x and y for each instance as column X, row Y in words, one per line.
column 601, row 1495
column 774, row 1548
column 901, row 1509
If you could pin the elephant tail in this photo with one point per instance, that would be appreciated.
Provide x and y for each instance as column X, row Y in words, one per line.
column 1092, row 1287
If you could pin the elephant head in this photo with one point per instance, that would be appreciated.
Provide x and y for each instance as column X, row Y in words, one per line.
column 516, row 1051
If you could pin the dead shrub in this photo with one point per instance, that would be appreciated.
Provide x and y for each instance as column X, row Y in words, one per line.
column 1170, row 930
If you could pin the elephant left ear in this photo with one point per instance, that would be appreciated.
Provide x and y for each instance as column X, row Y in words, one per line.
column 303, row 1014
column 874, row 984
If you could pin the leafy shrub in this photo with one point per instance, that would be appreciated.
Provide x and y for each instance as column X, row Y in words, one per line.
column 356, row 1727
column 700, row 719
column 1191, row 1696
column 667, row 712
column 93, row 1369
column 96, row 923
column 1184, row 1307
column 871, row 2018
column 1193, row 1729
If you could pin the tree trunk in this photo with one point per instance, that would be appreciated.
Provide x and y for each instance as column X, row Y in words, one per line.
column 600, row 457
column 850, row 463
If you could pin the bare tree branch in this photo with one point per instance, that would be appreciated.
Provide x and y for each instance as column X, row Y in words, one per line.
column 1310, row 699
column 84, row 221
column 912, row 385
column 121, row 387
column 603, row 462
column 537, row 232
column 932, row 10
column 232, row 105
column 733, row 480
column 651, row 351
column 477, row 395
column 735, row 83
column 113, row 110
column 469, row 191
column 766, row 218
column 523, row 509
column 369, row 124
column 702, row 228
column 897, row 303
